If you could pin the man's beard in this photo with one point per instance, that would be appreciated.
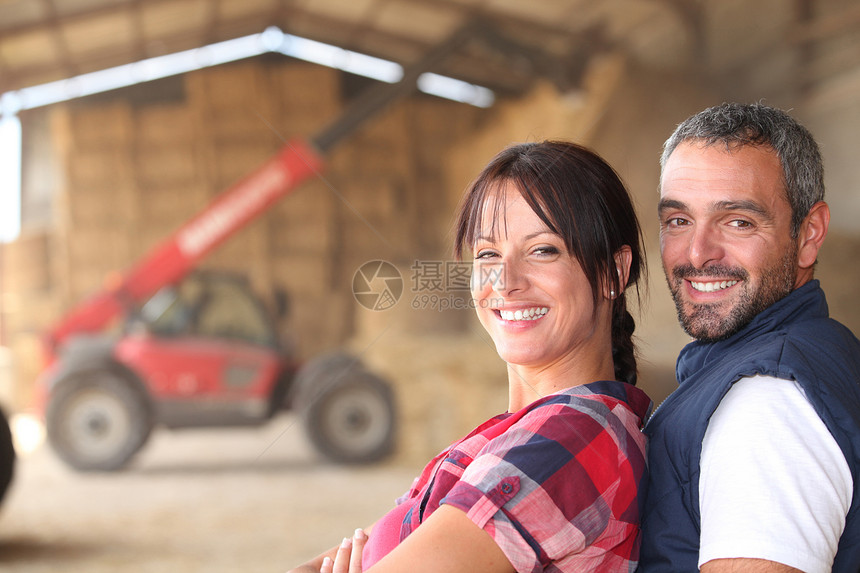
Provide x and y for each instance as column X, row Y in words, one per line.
column 711, row 322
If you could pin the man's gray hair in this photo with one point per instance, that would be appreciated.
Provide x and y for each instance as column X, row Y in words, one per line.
column 738, row 125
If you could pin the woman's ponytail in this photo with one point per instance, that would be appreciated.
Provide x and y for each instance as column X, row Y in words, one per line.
column 623, row 349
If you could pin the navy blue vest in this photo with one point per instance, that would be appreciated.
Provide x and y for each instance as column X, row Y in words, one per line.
column 793, row 339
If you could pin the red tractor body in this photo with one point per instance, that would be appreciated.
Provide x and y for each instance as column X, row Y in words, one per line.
column 164, row 346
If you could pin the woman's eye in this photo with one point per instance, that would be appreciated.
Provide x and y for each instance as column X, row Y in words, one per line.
column 483, row 255
column 546, row 250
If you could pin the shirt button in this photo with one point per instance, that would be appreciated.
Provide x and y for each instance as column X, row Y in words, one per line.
column 507, row 488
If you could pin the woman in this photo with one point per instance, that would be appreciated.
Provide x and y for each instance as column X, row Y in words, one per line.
column 552, row 484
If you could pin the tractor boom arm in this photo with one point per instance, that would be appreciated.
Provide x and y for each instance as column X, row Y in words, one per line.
column 173, row 258
column 297, row 161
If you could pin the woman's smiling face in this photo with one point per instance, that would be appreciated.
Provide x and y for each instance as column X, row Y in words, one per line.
column 530, row 293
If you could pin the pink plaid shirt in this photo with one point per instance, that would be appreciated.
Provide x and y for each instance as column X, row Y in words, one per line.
column 556, row 484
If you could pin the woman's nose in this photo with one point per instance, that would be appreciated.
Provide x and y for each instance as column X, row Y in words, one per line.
column 512, row 277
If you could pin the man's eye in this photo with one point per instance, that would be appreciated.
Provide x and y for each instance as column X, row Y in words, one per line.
column 740, row 223
column 676, row 222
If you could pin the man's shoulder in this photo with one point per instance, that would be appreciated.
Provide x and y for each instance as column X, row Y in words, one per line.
column 818, row 339
column 817, row 321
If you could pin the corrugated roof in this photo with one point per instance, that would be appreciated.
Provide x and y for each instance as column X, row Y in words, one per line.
column 46, row 40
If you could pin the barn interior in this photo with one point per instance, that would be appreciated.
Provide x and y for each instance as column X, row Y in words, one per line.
column 110, row 171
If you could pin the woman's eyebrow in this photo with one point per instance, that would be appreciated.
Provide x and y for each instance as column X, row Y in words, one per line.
column 528, row 237
column 538, row 234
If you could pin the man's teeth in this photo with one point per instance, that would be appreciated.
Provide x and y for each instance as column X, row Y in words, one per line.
column 525, row 314
column 711, row 287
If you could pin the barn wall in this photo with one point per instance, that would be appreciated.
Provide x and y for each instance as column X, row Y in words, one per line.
column 126, row 170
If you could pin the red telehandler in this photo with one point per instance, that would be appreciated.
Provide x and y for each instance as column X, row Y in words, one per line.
column 197, row 349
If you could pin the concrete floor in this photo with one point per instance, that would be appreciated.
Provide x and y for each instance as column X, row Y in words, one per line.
column 247, row 500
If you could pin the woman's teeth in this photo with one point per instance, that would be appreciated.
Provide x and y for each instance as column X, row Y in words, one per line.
column 711, row 287
column 525, row 314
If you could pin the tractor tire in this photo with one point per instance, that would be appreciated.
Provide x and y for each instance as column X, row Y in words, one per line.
column 348, row 412
column 325, row 369
column 7, row 455
column 97, row 420
column 280, row 393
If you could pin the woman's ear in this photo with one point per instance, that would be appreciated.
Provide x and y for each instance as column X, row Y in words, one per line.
column 623, row 258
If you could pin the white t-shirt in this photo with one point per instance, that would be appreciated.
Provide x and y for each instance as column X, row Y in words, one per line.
column 774, row 484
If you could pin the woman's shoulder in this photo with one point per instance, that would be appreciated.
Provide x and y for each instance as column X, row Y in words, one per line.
column 582, row 416
column 602, row 399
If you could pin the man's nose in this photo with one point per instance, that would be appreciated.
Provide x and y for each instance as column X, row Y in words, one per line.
column 705, row 246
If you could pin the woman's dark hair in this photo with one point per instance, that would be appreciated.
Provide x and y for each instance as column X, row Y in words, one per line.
column 580, row 198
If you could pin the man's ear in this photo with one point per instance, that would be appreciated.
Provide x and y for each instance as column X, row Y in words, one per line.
column 811, row 235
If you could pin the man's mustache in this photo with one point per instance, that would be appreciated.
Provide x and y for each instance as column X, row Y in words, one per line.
column 715, row 271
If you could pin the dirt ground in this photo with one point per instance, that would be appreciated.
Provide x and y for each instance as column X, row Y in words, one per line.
column 250, row 499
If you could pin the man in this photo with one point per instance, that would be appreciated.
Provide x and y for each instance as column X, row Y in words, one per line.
column 755, row 458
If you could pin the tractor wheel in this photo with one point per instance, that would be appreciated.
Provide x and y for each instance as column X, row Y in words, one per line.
column 7, row 455
column 97, row 420
column 324, row 369
column 279, row 394
column 348, row 413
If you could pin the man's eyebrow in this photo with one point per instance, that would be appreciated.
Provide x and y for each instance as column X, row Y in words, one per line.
column 748, row 206
column 666, row 204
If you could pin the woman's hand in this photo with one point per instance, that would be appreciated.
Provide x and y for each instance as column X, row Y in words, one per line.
column 345, row 563
column 348, row 556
